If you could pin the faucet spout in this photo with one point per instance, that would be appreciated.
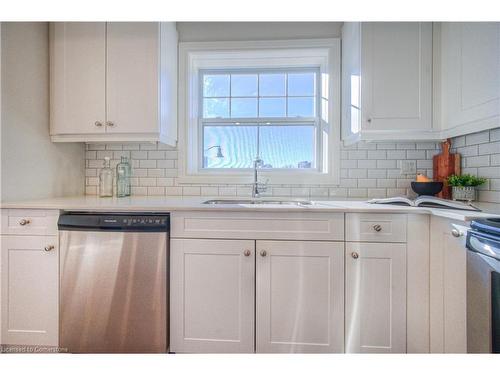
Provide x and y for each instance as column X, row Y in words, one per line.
column 257, row 187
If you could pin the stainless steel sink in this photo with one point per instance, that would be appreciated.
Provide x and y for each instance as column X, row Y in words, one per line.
column 258, row 202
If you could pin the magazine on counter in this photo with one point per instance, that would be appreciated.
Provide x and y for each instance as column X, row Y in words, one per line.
column 426, row 201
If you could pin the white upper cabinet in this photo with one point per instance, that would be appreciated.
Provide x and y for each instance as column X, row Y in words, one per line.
column 470, row 76
column 114, row 82
column 78, row 78
column 387, row 81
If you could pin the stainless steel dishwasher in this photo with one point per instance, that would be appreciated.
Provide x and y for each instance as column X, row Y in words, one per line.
column 113, row 282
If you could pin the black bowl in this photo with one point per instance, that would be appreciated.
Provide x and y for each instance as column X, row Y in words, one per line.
column 426, row 188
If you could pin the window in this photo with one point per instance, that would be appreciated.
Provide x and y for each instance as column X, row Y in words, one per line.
column 270, row 114
column 276, row 100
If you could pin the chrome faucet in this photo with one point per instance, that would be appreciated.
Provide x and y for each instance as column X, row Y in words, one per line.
column 257, row 187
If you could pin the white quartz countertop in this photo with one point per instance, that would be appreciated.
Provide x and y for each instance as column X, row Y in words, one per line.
column 169, row 204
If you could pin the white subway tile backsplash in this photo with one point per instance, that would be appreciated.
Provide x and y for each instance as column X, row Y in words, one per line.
column 191, row 190
column 227, row 190
column 319, row 192
column 357, row 173
column 147, row 163
column 415, row 154
column 379, row 154
column 477, row 138
column 481, row 157
column 386, row 164
column 495, row 135
column 396, row 154
column 156, row 172
column 156, row 190
column 367, row 183
column 367, row 169
column 377, row 173
column 478, row 161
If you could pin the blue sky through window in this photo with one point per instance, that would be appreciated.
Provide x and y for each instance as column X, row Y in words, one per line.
column 248, row 97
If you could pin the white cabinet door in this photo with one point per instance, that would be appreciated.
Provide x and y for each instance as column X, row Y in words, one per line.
column 375, row 297
column 212, row 296
column 448, row 287
column 470, row 66
column 300, row 305
column 132, row 77
column 77, row 77
column 396, row 84
column 30, row 283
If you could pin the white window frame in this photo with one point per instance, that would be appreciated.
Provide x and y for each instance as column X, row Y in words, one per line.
column 321, row 53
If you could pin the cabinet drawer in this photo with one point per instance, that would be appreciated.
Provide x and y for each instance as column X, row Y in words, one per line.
column 376, row 227
column 258, row 225
column 29, row 222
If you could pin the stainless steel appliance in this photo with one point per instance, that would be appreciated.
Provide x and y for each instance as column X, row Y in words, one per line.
column 483, row 286
column 113, row 282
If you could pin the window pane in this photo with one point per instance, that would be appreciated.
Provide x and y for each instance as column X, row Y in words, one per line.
column 238, row 146
column 243, row 107
column 302, row 107
column 301, row 84
column 272, row 84
column 216, row 85
column 244, row 85
column 288, row 146
column 215, row 108
column 272, row 107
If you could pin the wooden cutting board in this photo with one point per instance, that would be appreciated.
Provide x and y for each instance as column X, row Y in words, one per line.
column 443, row 165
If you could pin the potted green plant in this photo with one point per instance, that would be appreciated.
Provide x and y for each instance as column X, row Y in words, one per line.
column 464, row 186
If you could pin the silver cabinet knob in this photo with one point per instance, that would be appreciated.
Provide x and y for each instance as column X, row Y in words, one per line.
column 369, row 120
column 49, row 247
column 377, row 227
column 263, row 253
column 98, row 124
column 24, row 222
column 456, row 233
column 247, row 253
column 355, row 255
column 110, row 123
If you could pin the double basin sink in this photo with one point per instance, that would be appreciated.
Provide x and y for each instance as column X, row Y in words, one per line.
column 258, row 202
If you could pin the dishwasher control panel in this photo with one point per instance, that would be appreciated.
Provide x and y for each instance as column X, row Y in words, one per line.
column 129, row 222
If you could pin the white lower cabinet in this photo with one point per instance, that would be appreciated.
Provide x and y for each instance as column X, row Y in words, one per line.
column 212, row 296
column 297, row 307
column 299, row 299
column 30, row 271
column 448, row 287
column 375, row 297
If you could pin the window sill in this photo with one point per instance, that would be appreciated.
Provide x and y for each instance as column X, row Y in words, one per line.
column 275, row 178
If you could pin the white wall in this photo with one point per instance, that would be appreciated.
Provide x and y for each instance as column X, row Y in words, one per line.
column 32, row 166
column 223, row 31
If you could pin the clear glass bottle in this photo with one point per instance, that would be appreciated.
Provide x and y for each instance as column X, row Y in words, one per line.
column 123, row 174
column 106, row 179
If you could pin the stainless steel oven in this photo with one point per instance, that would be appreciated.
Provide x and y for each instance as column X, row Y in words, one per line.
column 113, row 282
column 483, row 286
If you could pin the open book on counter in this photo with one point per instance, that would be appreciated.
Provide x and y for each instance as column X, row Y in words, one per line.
column 426, row 201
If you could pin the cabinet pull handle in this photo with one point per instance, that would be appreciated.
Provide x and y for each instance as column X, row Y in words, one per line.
column 355, row 255
column 49, row 247
column 24, row 222
column 263, row 253
column 110, row 123
column 369, row 120
column 247, row 253
column 377, row 227
column 456, row 233
column 98, row 124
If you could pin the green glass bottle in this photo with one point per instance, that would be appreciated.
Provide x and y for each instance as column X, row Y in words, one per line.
column 123, row 174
